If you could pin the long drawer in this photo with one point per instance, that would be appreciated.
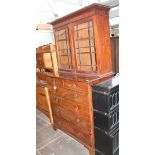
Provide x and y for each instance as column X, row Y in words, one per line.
column 81, row 97
column 78, row 108
column 72, row 130
column 80, row 122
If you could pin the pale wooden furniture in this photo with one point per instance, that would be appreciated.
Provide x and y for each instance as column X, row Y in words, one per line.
column 46, row 58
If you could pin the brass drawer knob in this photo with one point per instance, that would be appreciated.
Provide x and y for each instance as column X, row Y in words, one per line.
column 74, row 85
column 78, row 133
column 69, row 85
column 57, row 110
column 56, row 100
column 75, row 95
column 77, row 108
column 78, row 120
column 54, row 87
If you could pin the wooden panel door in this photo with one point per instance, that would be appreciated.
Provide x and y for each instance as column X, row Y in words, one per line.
column 85, row 47
column 64, row 54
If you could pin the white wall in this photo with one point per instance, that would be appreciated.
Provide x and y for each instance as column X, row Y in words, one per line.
column 44, row 37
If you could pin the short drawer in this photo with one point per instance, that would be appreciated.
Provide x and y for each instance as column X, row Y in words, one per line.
column 50, row 82
column 81, row 122
column 75, row 85
column 41, row 101
column 40, row 90
column 72, row 130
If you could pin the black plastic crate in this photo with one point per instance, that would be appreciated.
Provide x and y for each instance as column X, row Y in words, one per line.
column 106, row 122
column 106, row 95
column 107, row 144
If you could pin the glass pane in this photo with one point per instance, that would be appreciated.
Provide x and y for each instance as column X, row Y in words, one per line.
column 83, row 33
column 62, row 34
column 64, row 60
column 62, row 45
column 85, row 59
column 84, row 43
column 83, row 25
column 63, row 52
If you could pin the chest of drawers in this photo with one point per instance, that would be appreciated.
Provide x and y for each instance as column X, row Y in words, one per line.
column 72, row 108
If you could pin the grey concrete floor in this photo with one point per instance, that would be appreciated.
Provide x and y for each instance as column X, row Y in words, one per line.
column 51, row 142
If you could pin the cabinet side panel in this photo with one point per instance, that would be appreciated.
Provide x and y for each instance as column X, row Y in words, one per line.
column 102, row 41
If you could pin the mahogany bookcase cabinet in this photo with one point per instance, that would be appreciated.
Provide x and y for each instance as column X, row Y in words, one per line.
column 84, row 58
column 83, row 41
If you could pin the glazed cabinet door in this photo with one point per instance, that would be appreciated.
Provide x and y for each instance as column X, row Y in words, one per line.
column 84, row 43
column 64, row 54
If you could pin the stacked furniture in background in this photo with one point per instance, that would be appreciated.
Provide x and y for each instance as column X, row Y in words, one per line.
column 106, row 116
column 46, row 58
column 84, row 58
column 45, row 62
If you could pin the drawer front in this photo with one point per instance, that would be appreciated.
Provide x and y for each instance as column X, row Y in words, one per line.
column 41, row 98
column 81, row 97
column 40, row 101
column 79, row 121
column 74, row 85
column 40, row 90
column 41, row 76
column 72, row 130
column 50, row 82
column 77, row 108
